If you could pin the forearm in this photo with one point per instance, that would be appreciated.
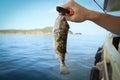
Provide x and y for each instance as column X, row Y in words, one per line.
column 109, row 22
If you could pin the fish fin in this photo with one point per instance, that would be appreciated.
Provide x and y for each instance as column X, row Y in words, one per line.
column 64, row 70
column 66, row 54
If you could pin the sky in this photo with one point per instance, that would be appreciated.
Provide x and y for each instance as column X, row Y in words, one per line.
column 36, row 14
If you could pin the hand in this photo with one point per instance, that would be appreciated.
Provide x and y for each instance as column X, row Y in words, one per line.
column 109, row 22
column 80, row 13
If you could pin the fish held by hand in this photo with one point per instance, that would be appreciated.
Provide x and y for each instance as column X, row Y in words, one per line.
column 61, row 29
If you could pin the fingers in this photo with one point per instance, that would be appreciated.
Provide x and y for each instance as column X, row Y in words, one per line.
column 65, row 6
column 68, row 5
column 68, row 18
column 71, row 0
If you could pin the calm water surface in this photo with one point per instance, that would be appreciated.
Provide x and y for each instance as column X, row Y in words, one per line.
column 31, row 57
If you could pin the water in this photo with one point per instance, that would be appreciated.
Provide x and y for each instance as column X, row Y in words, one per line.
column 31, row 57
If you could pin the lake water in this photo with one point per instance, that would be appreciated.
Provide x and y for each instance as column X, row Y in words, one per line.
column 32, row 57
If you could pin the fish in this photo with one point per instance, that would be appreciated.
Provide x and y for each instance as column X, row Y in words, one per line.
column 60, row 30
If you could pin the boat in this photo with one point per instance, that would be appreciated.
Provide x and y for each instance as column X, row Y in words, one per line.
column 107, row 58
column 107, row 62
column 112, row 57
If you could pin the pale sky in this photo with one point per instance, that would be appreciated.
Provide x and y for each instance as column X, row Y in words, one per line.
column 36, row 14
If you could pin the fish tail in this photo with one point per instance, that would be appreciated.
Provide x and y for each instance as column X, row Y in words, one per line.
column 63, row 69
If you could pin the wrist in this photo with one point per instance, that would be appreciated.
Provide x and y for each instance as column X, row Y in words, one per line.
column 93, row 15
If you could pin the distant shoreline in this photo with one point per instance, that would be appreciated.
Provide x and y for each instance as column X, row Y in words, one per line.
column 23, row 32
column 46, row 30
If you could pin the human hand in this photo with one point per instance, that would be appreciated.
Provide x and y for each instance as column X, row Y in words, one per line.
column 80, row 13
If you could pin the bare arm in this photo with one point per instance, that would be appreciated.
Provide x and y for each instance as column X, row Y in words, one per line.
column 109, row 22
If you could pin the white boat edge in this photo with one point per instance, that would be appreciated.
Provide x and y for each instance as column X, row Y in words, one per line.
column 112, row 56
